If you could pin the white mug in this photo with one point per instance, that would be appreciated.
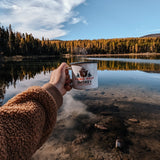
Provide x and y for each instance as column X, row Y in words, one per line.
column 84, row 75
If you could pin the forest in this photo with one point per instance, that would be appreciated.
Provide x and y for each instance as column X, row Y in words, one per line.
column 16, row 43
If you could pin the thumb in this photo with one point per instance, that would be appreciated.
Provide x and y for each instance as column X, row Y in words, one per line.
column 63, row 66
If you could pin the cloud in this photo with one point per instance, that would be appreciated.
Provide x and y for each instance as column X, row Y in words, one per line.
column 155, row 30
column 85, row 22
column 39, row 17
column 75, row 20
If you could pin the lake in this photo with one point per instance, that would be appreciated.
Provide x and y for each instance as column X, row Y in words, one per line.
column 128, row 90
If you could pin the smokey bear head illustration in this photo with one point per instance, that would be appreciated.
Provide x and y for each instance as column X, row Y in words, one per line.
column 83, row 72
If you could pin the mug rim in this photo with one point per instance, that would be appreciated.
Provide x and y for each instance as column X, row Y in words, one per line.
column 75, row 63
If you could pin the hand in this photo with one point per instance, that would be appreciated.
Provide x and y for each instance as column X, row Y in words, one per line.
column 60, row 78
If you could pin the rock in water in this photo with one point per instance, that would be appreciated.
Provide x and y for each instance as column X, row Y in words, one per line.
column 101, row 127
column 133, row 120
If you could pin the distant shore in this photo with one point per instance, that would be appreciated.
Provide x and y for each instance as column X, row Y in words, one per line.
column 125, row 54
column 20, row 57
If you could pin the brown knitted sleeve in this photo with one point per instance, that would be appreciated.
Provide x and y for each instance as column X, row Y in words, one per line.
column 26, row 122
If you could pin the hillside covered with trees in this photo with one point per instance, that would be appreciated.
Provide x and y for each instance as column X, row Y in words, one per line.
column 110, row 46
column 15, row 43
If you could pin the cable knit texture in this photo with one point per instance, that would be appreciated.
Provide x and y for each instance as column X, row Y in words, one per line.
column 27, row 120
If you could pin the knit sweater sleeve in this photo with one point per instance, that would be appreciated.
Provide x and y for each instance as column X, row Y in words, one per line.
column 27, row 120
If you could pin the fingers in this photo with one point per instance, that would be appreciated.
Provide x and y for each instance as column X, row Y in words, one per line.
column 68, row 82
column 67, row 77
column 61, row 79
column 63, row 66
column 68, row 87
column 66, row 71
column 63, row 70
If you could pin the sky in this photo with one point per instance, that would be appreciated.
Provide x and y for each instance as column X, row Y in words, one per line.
column 81, row 19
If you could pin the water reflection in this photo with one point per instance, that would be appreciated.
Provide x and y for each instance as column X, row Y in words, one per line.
column 126, row 90
column 119, row 65
column 11, row 72
column 127, row 60
column 147, row 65
column 137, row 80
column 132, row 56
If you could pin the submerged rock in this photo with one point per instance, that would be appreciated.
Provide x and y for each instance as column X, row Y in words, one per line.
column 119, row 143
column 106, row 113
column 80, row 139
column 133, row 120
column 101, row 127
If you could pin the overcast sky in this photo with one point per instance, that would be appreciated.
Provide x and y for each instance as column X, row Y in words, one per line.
column 81, row 19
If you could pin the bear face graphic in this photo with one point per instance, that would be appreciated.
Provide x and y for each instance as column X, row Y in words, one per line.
column 83, row 72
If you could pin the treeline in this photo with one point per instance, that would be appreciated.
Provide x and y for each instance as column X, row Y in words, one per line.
column 110, row 46
column 15, row 43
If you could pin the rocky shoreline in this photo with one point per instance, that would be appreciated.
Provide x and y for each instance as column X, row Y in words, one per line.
column 108, row 124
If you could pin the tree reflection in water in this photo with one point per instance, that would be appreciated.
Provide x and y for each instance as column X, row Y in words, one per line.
column 11, row 71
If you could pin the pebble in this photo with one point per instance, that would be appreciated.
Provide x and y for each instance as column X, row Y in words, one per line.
column 100, row 127
column 133, row 120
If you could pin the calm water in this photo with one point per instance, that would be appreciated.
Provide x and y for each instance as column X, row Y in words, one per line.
column 129, row 83
column 139, row 74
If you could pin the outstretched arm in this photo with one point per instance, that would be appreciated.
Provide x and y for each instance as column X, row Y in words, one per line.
column 28, row 118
